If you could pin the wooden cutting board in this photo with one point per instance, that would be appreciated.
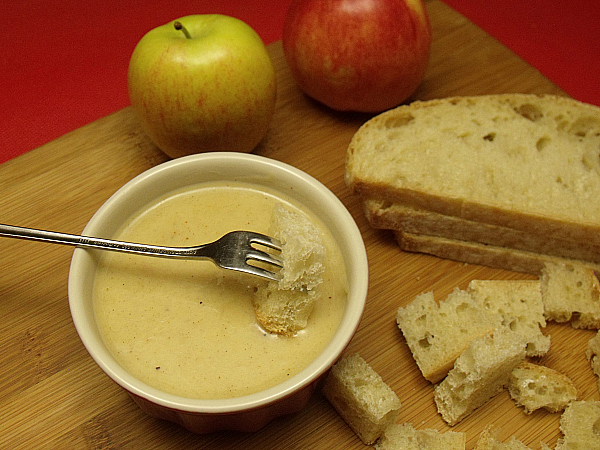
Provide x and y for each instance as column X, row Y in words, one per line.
column 52, row 395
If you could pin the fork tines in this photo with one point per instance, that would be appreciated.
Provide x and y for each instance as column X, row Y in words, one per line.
column 262, row 239
column 263, row 256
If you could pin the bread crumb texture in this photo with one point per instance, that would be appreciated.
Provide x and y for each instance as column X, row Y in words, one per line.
column 580, row 426
column 284, row 307
column 592, row 353
column 571, row 292
column 438, row 334
column 523, row 153
column 518, row 306
column 481, row 371
column 361, row 397
column 488, row 441
column 534, row 386
column 406, row 437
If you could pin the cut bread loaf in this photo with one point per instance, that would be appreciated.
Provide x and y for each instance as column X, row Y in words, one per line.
column 361, row 397
column 284, row 307
column 533, row 387
column 481, row 371
column 571, row 293
column 384, row 215
column 519, row 305
column 486, row 255
column 592, row 353
column 438, row 333
column 406, row 437
column 580, row 426
column 521, row 161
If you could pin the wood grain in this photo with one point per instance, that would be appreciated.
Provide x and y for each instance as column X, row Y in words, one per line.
column 54, row 396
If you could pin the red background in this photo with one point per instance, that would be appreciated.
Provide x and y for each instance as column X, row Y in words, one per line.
column 64, row 63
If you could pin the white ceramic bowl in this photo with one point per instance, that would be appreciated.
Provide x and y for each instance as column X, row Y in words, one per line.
column 250, row 412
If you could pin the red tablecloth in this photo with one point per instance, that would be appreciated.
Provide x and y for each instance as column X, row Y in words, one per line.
column 561, row 38
column 64, row 63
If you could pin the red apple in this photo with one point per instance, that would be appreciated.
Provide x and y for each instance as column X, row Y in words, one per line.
column 357, row 55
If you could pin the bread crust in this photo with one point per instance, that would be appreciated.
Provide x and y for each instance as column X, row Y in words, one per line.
column 476, row 253
column 417, row 221
column 372, row 171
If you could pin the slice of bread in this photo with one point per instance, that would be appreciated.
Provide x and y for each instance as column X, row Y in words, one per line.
column 361, row 397
column 438, row 333
column 571, row 292
column 580, row 426
column 519, row 303
column 488, row 440
column 406, row 437
column 486, row 255
column 482, row 371
column 533, row 387
column 521, row 161
column 592, row 353
column 284, row 307
column 394, row 216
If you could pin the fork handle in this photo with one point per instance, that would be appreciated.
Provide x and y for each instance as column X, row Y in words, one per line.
column 100, row 243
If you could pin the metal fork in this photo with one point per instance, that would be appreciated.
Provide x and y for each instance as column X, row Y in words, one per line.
column 233, row 251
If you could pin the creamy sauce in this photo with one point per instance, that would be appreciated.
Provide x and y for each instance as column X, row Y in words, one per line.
column 188, row 327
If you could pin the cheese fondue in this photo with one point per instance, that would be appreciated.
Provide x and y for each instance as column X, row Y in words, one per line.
column 187, row 327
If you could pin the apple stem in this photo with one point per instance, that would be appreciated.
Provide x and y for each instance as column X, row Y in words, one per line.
column 179, row 26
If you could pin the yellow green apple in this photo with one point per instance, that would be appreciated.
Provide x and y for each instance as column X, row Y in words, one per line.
column 202, row 83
